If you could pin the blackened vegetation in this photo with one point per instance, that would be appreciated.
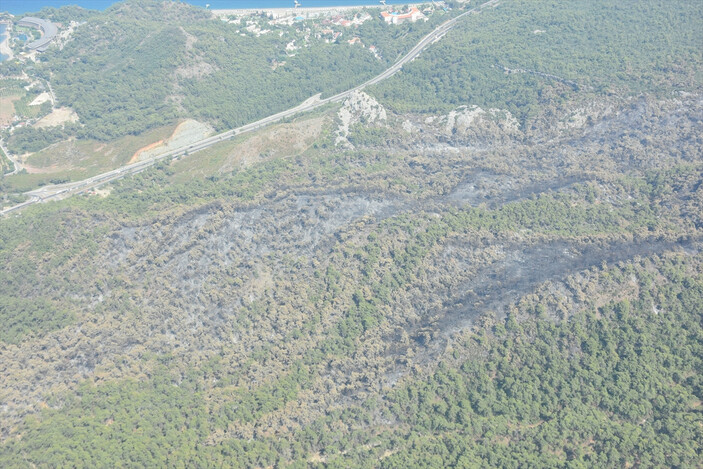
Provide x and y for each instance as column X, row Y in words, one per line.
column 456, row 289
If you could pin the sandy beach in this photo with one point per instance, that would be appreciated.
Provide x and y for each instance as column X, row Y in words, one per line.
column 5, row 44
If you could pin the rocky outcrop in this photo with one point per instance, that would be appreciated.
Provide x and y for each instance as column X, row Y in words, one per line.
column 359, row 107
column 465, row 120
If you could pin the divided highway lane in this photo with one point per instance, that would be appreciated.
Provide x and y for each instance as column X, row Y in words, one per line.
column 47, row 193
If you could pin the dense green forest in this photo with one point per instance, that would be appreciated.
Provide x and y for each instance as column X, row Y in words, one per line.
column 528, row 53
column 141, row 64
column 597, row 368
column 31, row 139
column 610, row 387
column 475, row 270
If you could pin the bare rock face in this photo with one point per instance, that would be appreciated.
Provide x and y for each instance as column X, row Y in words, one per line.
column 359, row 107
column 472, row 126
column 466, row 119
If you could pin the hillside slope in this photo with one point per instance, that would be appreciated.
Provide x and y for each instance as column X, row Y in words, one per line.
column 382, row 284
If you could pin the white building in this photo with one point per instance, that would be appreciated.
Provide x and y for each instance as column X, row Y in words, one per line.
column 396, row 18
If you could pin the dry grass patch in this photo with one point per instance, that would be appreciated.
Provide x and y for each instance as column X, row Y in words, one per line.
column 58, row 116
column 7, row 109
column 282, row 140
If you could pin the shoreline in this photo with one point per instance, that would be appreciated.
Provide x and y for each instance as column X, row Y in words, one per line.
column 301, row 11
column 5, row 44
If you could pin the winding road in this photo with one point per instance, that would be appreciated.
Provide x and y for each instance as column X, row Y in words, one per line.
column 15, row 163
column 55, row 192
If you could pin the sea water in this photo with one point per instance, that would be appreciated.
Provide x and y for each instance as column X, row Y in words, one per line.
column 19, row 7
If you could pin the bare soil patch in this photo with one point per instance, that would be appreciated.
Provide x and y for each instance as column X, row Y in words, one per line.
column 41, row 99
column 58, row 116
column 81, row 155
column 138, row 153
column 187, row 132
column 7, row 109
column 46, row 170
column 283, row 140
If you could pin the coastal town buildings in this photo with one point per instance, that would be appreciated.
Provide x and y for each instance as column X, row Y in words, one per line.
column 392, row 17
column 47, row 28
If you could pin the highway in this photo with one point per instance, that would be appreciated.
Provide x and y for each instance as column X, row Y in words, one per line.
column 55, row 192
column 15, row 163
